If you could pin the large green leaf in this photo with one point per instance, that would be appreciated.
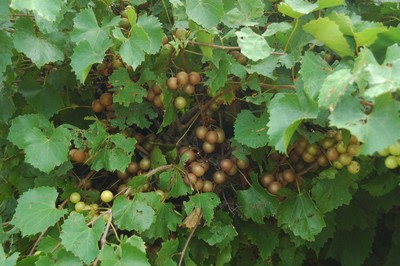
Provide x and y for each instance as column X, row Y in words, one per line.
column 5, row 50
column 37, row 210
column 221, row 231
column 7, row 106
column 167, row 252
column 377, row 130
column 252, row 45
column 244, row 13
column 299, row 215
column 126, row 91
column 48, row 9
column 8, row 261
column 124, row 254
column 39, row 50
column 287, row 111
column 251, row 130
column 80, row 239
column 299, row 8
column 140, row 115
column 45, row 146
column 172, row 182
column 207, row 13
column 328, row 32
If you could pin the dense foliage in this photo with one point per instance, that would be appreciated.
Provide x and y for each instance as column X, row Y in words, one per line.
column 187, row 132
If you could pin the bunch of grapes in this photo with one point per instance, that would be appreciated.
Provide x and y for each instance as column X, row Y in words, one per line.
column 392, row 154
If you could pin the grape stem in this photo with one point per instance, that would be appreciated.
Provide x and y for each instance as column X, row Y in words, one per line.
column 188, row 240
column 104, row 237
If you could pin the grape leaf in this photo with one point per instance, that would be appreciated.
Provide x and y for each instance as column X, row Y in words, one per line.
column 172, row 181
column 114, row 154
column 124, row 254
column 382, row 184
column 5, row 51
column 167, row 252
column 218, row 75
column 334, row 87
column 256, row 203
column 39, row 50
column 296, row 9
column 328, row 32
column 314, row 71
column 85, row 56
column 7, row 106
column 157, row 158
column 167, row 219
column 352, row 247
column 252, row 45
column 221, row 231
column 140, row 115
column 207, row 202
column 126, row 91
column 376, row 130
column 299, row 214
column 287, row 111
column 264, row 236
column 37, row 204
column 45, row 146
column 245, row 13
column 207, row 13
column 132, row 214
column 329, row 193
column 80, row 239
column 61, row 258
column 10, row 260
column 48, row 9
column 251, row 130
column 5, row 11
column 265, row 67
column 382, row 79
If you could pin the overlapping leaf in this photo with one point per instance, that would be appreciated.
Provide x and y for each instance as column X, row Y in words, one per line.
column 126, row 91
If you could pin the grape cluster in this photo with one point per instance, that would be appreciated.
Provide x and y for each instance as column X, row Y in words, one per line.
column 392, row 155
column 93, row 209
column 274, row 182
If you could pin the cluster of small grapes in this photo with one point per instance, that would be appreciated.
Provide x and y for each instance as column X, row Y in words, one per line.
column 92, row 210
column 392, row 154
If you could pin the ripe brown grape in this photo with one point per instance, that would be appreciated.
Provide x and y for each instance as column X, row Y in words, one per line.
column 145, row 163
column 274, row 187
column 208, row 186
column 97, row 107
column 208, row 147
column 308, row 158
column 288, row 175
column 211, row 137
column 106, row 99
column 132, row 168
column 198, row 170
column 219, row 177
column 79, row 156
column 233, row 170
column 243, row 164
column 194, row 78
column 188, row 89
column 226, row 165
column 157, row 89
column 312, row 149
column 182, row 78
column 199, row 184
column 221, row 135
column 150, row 95
column 191, row 155
column 180, row 102
column 332, row 154
column 267, row 179
column 322, row 160
column 201, row 132
column 345, row 159
column 172, row 83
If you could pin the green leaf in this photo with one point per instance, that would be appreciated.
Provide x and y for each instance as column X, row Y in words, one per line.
column 207, row 13
column 352, row 247
column 7, row 106
column 10, row 260
column 124, row 254
column 37, row 205
column 251, row 130
column 48, row 9
column 314, row 71
column 382, row 79
column 85, row 56
column 328, row 32
column 376, row 130
column 369, row 35
column 39, row 50
column 299, row 214
column 126, row 91
column 382, row 184
column 277, row 27
column 218, row 75
column 157, row 158
column 172, row 181
column 334, row 87
column 167, row 220
column 207, row 202
column 80, row 239
column 245, row 13
column 167, row 252
column 265, row 67
column 5, row 51
column 331, row 193
column 264, row 236
column 132, row 214
column 5, row 14
column 114, row 154
column 287, row 111
column 256, row 203
column 252, row 45
column 221, row 231
column 140, row 115
column 45, row 146
column 296, row 9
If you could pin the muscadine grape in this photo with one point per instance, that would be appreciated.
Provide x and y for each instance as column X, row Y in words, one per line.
column 132, row 168
column 337, row 165
column 199, row 184
column 205, row 165
column 219, row 177
column 208, row 147
column 183, row 78
column 157, row 89
column 79, row 156
column 308, row 158
column 353, row 167
column 121, row 188
column 150, row 95
column 345, row 159
column 221, row 135
column 288, row 175
column 353, row 149
column 226, row 165
column 110, row 108
column 188, row 89
column 106, row 99
column 243, row 164
column 208, row 186
column 172, row 83
column 312, row 149
column 211, row 137
column 80, row 206
column 274, row 187
column 233, row 170
column 198, row 170
column 180, row 102
column 332, row 154
column 75, row 197
column 122, row 175
column 94, row 207
column 339, row 136
column 384, row 152
column 391, row 162
column 106, row 196
column 180, row 33
column 302, row 142
column 267, row 179
column 394, row 149
column 341, row 147
column 201, row 132
column 322, row 160
column 97, row 107
column 145, row 163
column 190, row 155
column 191, row 179
column 328, row 142
column 164, row 40
column 194, row 78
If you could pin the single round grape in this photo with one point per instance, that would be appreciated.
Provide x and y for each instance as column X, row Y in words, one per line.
column 182, row 78
column 106, row 196
column 190, row 154
column 353, row 167
column 226, row 165
column 394, row 149
column 384, row 152
column 322, row 160
column 274, row 187
column 194, row 78
column 288, row 175
column 132, row 168
column 341, row 147
column 332, row 154
column 308, row 158
column 232, row 171
column 180, row 102
column 157, row 89
column 221, row 135
column 219, row 177
column 337, row 165
column 75, row 197
column 211, row 137
column 97, row 107
column 172, row 83
column 199, row 184
column 201, row 132
column 328, row 142
column 79, row 156
column 345, row 159
column 391, row 162
column 208, row 186
column 353, row 149
column 198, row 170
column 208, row 147
column 106, row 99
column 80, row 206
column 312, row 149
column 145, row 164
column 243, row 164
column 188, row 89
column 266, row 179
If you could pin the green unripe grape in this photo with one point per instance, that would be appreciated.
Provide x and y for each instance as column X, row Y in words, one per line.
column 75, row 197
column 106, row 196
column 384, row 152
column 391, row 162
column 353, row 167
column 337, row 165
column 394, row 149
column 80, row 206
